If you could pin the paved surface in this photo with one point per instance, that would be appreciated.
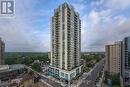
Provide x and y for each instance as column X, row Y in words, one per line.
column 104, row 85
column 90, row 80
column 50, row 82
column 46, row 79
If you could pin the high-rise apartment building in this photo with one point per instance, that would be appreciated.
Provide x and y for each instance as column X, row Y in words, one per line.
column 118, row 59
column 65, row 43
column 2, row 49
column 113, row 57
column 126, row 61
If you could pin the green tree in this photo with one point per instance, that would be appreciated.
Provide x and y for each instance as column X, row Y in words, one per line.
column 27, row 60
column 37, row 67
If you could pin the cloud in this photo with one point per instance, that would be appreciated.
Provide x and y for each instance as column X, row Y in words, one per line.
column 20, row 34
column 97, row 2
column 79, row 7
column 101, row 28
column 96, row 39
column 118, row 4
column 103, row 22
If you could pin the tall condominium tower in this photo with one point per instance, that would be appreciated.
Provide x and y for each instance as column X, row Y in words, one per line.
column 2, row 49
column 65, row 43
column 126, row 61
column 113, row 57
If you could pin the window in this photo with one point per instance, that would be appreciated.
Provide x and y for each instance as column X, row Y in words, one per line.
column 66, row 76
column 77, row 71
column 62, row 74
column 72, row 75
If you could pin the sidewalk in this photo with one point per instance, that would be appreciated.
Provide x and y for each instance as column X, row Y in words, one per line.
column 104, row 85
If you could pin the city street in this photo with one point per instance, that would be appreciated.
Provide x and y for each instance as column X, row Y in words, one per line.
column 50, row 82
column 90, row 80
column 47, row 80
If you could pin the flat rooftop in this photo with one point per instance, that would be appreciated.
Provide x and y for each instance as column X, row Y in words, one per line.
column 5, row 68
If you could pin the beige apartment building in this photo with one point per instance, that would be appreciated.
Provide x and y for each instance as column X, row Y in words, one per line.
column 65, row 42
column 2, row 49
column 113, row 57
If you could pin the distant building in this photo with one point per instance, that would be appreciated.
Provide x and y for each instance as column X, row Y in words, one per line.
column 36, row 61
column 126, row 61
column 2, row 50
column 118, row 59
column 113, row 57
column 49, row 55
column 8, row 72
column 18, row 75
column 4, row 68
column 65, row 43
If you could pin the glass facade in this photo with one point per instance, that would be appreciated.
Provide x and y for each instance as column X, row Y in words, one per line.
column 127, row 52
column 126, row 59
column 53, row 72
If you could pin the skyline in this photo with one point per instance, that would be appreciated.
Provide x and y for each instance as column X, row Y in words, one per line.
column 29, row 30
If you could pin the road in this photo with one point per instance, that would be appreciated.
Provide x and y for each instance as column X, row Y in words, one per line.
column 90, row 80
column 47, row 80
column 50, row 82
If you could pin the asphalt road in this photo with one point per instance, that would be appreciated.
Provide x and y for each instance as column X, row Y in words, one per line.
column 90, row 80
column 49, row 81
